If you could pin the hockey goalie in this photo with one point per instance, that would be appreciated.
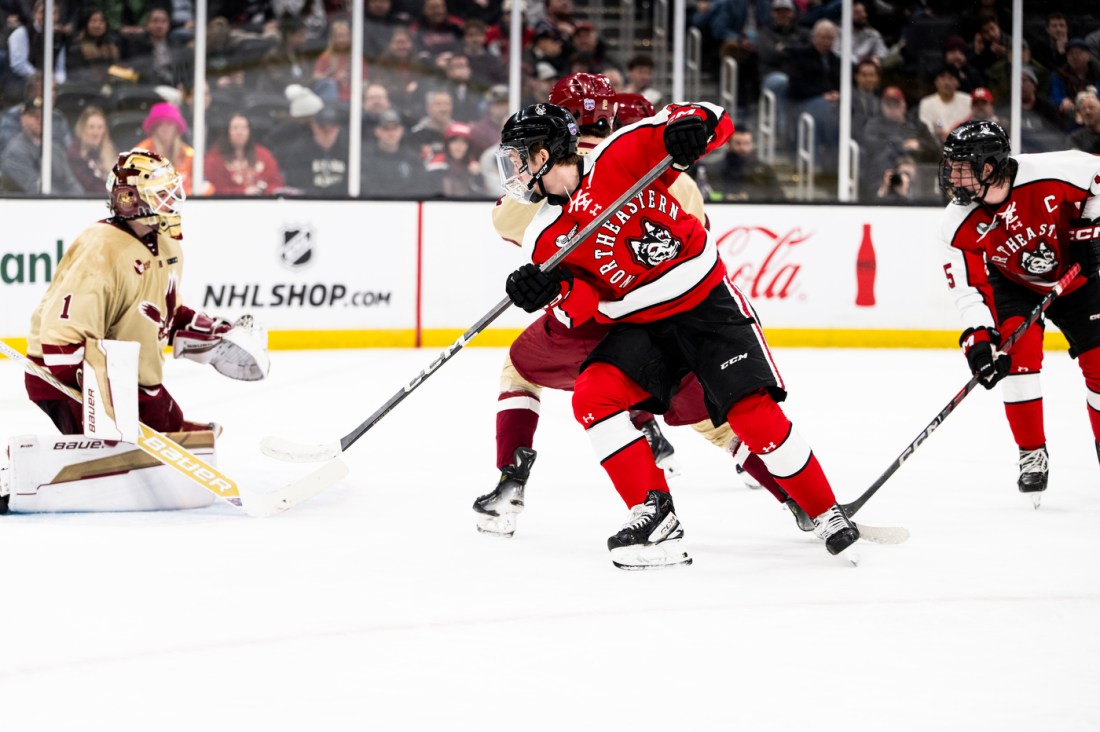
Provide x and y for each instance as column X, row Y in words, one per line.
column 101, row 329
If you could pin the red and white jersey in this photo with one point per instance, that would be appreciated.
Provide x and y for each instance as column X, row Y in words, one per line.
column 1025, row 237
column 651, row 258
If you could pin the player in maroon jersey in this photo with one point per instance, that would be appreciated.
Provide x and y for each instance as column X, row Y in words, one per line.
column 652, row 271
column 1015, row 225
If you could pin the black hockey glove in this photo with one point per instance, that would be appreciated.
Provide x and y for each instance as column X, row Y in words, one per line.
column 686, row 134
column 1084, row 245
column 988, row 364
column 532, row 289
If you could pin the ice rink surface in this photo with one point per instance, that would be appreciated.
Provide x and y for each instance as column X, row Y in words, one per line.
column 377, row 606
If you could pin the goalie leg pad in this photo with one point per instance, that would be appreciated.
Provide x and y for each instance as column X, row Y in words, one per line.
column 110, row 390
column 58, row 473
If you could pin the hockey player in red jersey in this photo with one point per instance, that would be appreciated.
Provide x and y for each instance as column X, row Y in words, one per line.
column 652, row 271
column 1015, row 225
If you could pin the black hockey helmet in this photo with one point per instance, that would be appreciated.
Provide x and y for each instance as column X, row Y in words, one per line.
column 547, row 126
column 976, row 142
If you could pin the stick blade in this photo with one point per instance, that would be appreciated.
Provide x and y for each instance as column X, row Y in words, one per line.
column 298, row 452
column 263, row 505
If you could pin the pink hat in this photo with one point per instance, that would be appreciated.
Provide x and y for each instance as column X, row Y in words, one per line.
column 164, row 112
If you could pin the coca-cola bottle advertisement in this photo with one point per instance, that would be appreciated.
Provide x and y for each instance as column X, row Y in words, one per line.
column 865, row 270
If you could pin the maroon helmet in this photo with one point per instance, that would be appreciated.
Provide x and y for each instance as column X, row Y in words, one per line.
column 633, row 107
column 590, row 98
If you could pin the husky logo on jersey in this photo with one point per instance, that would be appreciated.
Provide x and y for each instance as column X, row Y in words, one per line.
column 296, row 250
column 1040, row 263
column 656, row 246
column 563, row 240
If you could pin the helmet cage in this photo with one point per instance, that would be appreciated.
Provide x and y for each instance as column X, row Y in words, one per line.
column 144, row 184
column 545, row 126
column 966, row 152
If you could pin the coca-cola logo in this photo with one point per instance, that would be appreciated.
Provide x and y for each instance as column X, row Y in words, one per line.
column 763, row 263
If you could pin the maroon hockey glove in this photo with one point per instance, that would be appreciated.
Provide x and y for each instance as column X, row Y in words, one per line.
column 686, row 134
column 1084, row 245
column 989, row 365
column 532, row 289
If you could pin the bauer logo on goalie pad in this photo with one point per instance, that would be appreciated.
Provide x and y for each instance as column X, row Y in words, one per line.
column 296, row 250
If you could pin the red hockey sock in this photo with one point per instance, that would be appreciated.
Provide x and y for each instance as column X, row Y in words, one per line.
column 517, row 418
column 601, row 397
column 1089, row 361
column 1021, row 390
column 767, row 432
column 1026, row 421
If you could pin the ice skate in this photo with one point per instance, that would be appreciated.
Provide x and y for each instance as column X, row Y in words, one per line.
column 801, row 518
column 836, row 529
column 663, row 451
column 4, row 490
column 497, row 510
column 651, row 538
column 1034, row 469
column 747, row 479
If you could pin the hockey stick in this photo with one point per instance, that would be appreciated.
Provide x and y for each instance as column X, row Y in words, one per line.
column 295, row 452
column 174, row 455
column 1032, row 319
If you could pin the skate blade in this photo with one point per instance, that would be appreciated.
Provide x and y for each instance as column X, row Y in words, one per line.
column 653, row 556
column 503, row 526
column 1034, row 499
column 671, row 467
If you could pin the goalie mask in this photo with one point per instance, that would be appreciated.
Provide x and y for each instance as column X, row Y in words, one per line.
column 536, row 127
column 966, row 152
column 144, row 186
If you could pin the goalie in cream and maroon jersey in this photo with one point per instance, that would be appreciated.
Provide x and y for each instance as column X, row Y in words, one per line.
column 652, row 273
column 1015, row 226
column 101, row 328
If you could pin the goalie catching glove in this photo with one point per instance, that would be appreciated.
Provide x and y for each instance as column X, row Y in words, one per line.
column 532, row 289
column 986, row 362
column 237, row 350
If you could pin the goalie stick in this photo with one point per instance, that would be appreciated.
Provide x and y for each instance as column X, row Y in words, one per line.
column 295, row 452
column 1032, row 318
column 174, row 455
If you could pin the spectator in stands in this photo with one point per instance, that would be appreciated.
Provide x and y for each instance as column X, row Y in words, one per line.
column 26, row 51
column 898, row 183
column 1040, row 124
column 775, row 42
column 21, row 161
column 126, row 16
column 376, row 101
column 536, row 87
column 165, row 128
column 401, row 73
column 390, row 168
column 1049, row 50
column 485, row 132
column 11, row 121
column 886, row 137
column 236, row 166
column 1079, row 72
column 866, row 41
column 939, row 111
column 639, row 78
column 466, row 97
column 183, row 21
column 486, row 69
column 499, row 35
column 302, row 105
column 865, row 95
column 286, row 63
column 1087, row 137
column 426, row 136
column 483, row 11
column 379, row 20
column 981, row 107
column 155, row 56
column 999, row 75
column 225, row 61
column 588, row 45
column 332, row 69
column 547, row 46
column 744, row 177
column 955, row 54
column 558, row 15
column 990, row 43
column 435, row 31
column 454, row 171
column 815, row 85
column 93, row 50
column 318, row 163
column 92, row 154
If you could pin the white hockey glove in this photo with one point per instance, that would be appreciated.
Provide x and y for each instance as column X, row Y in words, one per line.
column 237, row 350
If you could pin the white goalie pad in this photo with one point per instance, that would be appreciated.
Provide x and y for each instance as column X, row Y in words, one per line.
column 71, row 473
column 239, row 353
column 110, row 390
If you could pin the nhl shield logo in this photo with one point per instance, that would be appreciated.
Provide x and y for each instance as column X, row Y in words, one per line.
column 296, row 249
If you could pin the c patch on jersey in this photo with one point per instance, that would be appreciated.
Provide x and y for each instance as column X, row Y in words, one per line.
column 1041, row 262
column 296, row 249
column 656, row 246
